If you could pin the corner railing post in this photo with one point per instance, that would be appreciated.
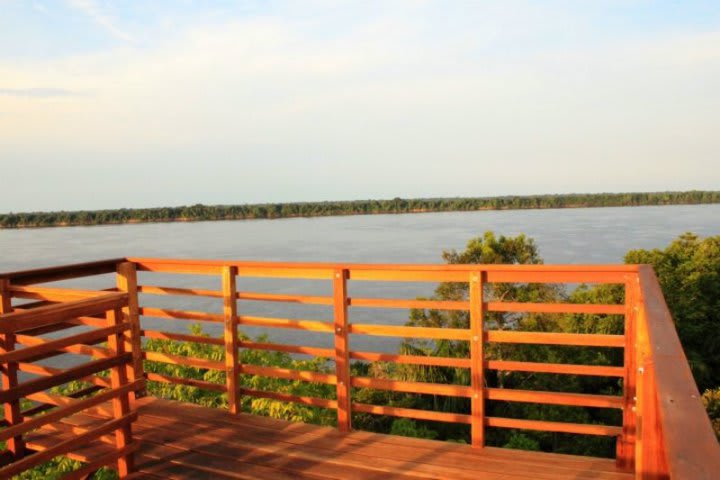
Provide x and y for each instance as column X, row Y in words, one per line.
column 342, row 349
column 121, row 404
column 232, row 364
column 626, row 442
column 477, row 359
column 648, row 433
column 9, row 374
column 127, row 282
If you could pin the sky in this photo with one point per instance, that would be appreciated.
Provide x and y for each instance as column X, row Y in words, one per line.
column 108, row 104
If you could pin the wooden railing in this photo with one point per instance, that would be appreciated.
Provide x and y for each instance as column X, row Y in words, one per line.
column 658, row 395
column 100, row 317
column 341, row 327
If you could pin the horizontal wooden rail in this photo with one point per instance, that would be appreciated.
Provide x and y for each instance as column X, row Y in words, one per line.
column 51, row 371
column 527, row 307
column 63, row 272
column 412, row 387
column 51, row 294
column 193, row 292
column 411, row 359
column 309, row 325
column 560, row 427
column 583, row 308
column 75, row 373
column 42, row 316
column 190, row 382
column 574, row 339
column 183, row 360
column 554, row 398
column 288, row 374
column 410, row 332
column 275, row 347
column 412, row 413
column 180, row 314
column 285, row 397
column 79, row 349
column 45, row 346
column 399, row 303
column 181, row 337
column 274, row 297
column 563, row 368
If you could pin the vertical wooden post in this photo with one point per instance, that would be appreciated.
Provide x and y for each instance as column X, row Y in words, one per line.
column 626, row 442
column 127, row 282
column 232, row 364
column 342, row 349
column 648, row 432
column 477, row 359
column 9, row 373
column 121, row 404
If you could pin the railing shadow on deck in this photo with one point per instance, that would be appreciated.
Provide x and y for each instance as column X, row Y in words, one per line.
column 664, row 433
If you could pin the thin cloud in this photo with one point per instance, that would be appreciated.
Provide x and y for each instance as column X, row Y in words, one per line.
column 93, row 10
column 37, row 92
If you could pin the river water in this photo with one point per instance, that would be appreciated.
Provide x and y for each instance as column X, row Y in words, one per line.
column 586, row 236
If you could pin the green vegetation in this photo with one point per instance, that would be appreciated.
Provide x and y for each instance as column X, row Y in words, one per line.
column 689, row 273
column 359, row 207
column 711, row 400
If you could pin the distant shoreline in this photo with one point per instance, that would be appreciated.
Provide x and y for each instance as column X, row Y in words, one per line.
column 200, row 213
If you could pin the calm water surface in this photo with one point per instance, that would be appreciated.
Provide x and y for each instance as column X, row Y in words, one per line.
column 599, row 235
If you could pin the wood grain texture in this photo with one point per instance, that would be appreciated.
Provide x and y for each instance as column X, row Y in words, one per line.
column 9, row 374
column 230, row 335
column 689, row 449
column 51, row 314
column 477, row 359
column 342, row 349
column 126, row 281
column 183, row 441
column 121, row 403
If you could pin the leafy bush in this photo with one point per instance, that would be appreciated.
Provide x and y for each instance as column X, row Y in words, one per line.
column 711, row 400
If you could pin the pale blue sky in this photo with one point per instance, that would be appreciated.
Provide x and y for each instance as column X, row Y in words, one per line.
column 130, row 104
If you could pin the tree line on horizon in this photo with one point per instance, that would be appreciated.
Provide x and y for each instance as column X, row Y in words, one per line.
column 200, row 212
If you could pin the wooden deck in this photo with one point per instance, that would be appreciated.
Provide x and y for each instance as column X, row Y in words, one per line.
column 185, row 441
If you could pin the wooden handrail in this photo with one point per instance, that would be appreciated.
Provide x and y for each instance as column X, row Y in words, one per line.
column 382, row 266
column 675, row 437
column 63, row 272
column 52, row 314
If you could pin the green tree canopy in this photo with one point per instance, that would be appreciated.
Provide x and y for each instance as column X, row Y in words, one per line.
column 689, row 273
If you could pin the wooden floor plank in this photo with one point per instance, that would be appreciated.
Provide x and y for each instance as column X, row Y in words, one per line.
column 163, row 407
column 443, row 454
column 337, row 464
column 182, row 441
column 391, row 459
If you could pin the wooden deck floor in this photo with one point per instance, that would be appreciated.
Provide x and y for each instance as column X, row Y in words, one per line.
column 183, row 441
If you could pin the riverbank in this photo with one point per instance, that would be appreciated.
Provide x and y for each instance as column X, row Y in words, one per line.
column 199, row 212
